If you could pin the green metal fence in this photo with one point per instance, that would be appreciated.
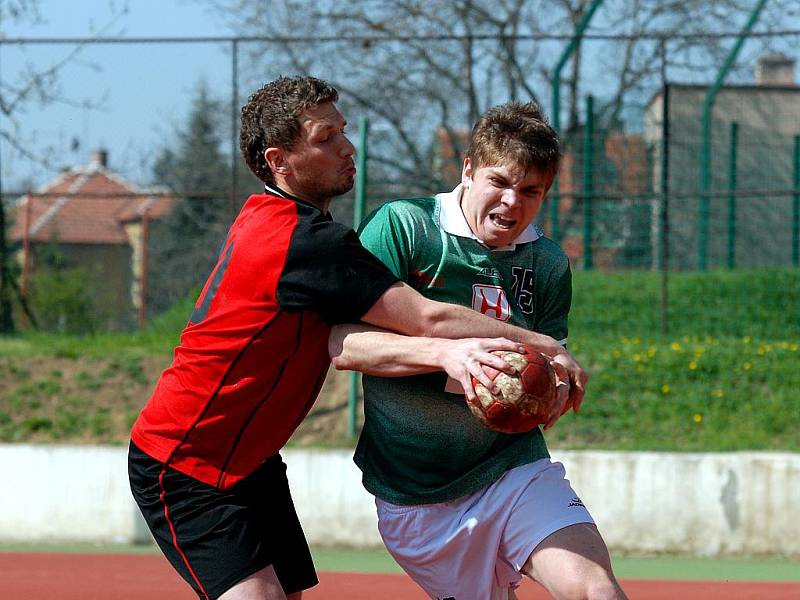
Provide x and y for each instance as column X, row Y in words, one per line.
column 671, row 187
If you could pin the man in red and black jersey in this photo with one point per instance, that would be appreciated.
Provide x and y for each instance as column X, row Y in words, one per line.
column 204, row 460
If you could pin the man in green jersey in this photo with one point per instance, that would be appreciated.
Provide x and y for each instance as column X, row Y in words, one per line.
column 465, row 510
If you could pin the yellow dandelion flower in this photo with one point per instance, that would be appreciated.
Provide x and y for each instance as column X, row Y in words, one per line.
column 697, row 418
column 651, row 351
column 693, row 366
column 665, row 389
column 699, row 350
column 637, row 357
column 747, row 366
column 676, row 346
column 616, row 353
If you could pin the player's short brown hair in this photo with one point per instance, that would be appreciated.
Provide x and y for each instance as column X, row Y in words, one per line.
column 269, row 119
column 516, row 133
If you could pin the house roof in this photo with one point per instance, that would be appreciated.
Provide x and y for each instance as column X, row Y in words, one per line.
column 86, row 205
column 451, row 145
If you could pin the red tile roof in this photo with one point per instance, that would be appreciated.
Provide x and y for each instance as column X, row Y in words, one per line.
column 87, row 205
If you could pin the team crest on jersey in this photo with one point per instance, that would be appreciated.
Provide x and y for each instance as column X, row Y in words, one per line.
column 491, row 300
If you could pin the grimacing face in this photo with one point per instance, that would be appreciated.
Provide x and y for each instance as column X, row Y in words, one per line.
column 320, row 163
column 500, row 201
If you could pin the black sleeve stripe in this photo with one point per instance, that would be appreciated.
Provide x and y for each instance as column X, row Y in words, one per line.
column 199, row 313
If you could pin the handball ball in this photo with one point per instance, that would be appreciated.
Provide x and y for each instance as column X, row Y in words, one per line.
column 524, row 398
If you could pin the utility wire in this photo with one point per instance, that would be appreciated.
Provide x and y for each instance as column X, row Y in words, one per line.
column 369, row 39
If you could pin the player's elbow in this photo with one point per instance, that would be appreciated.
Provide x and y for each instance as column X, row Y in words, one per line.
column 336, row 351
column 345, row 350
column 340, row 363
column 340, row 359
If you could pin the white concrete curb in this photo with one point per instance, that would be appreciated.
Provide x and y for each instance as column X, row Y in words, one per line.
column 742, row 503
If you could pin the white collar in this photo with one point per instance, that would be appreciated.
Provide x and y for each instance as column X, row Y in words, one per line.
column 452, row 221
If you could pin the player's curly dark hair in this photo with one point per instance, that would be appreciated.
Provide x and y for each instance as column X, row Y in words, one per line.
column 515, row 132
column 269, row 119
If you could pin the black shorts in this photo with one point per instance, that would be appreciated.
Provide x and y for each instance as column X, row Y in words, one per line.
column 216, row 538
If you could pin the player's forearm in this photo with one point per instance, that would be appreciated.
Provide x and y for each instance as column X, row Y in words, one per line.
column 454, row 321
column 379, row 352
column 406, row 311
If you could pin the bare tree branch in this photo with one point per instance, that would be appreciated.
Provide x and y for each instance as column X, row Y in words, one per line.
column 413, row 87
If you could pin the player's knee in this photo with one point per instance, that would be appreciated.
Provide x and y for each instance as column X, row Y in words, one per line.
column 601, row 588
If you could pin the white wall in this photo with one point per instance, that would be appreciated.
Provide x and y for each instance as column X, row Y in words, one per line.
column 702, row 504
column 66, row 493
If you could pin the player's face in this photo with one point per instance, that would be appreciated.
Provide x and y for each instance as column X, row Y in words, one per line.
column 500, row 201
column 321, row 160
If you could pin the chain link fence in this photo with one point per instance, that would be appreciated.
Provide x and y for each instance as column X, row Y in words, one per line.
column 630, row 195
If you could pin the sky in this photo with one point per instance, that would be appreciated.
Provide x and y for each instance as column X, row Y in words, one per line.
column 126, row 99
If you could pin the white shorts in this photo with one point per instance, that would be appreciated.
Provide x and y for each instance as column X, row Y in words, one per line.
column 474, row 547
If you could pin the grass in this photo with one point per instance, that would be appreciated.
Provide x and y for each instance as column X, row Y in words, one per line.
column 723, row 376
column 688, row 394
column 82, row 389
column 159, row 336
column 377, row 560
column 652, row 567
column 715, row 569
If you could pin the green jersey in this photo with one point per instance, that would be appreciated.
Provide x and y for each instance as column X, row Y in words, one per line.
column 420, row 444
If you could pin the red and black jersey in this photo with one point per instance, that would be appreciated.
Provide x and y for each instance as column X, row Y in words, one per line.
column 254, row 354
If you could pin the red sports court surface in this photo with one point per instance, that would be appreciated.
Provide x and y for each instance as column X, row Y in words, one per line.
column 39, row 576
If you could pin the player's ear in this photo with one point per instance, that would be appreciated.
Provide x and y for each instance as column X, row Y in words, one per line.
column 466, row 173
column 276, row 161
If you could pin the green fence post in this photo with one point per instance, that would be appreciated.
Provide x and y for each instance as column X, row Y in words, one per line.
column 555, row 232
column 732, row 196
column 588, row 184
column 358, row 215
column 796, row 203
column 663, row 262
column 705, row 142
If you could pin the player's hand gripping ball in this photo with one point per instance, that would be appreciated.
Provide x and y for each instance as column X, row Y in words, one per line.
column 524, row 398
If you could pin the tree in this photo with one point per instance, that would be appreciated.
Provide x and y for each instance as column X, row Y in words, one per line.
column 416, row 67
column 62, row 296
column 6, row 321
column 185, row 244
column 33, row 84
column 19, row 10
column 419, row 68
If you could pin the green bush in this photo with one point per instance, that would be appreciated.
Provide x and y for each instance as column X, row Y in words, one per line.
column 61, row 301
